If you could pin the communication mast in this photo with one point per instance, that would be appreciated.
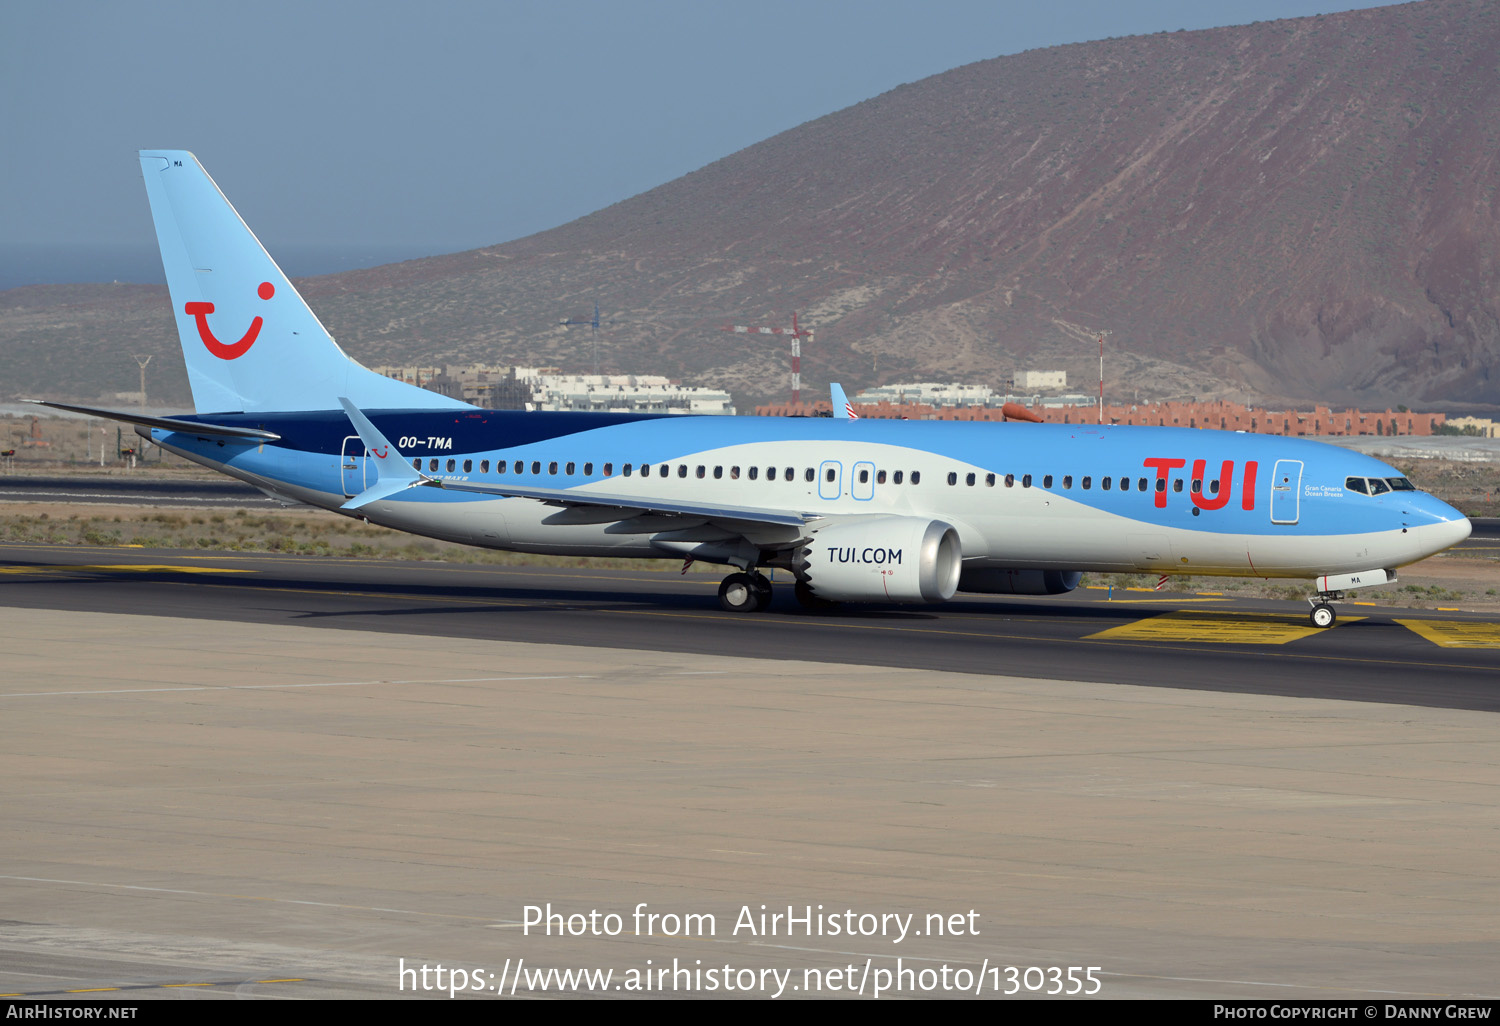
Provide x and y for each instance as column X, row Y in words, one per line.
column 1101, row 375
column 797, row 334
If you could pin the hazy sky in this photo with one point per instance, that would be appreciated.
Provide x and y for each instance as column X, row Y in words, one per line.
column 367, row 131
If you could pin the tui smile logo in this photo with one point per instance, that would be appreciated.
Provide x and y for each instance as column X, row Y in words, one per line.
column 228, row 350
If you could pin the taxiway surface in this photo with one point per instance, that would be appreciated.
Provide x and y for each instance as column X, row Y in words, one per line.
column 208, row 793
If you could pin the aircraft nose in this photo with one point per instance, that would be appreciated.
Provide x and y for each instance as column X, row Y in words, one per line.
column 1444, row 534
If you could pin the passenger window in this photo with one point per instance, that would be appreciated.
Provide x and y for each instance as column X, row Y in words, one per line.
column 770, row 473
column 952, row 478
column 682, row 470
column 830, row 475
column 1124, row 484
column 1086, row 482
column 734, row 473
column 625, row 470
column 1378, row 487
column 880, row 477
column 1197, row 486
column 896, row 477
column 645, row 469
column 1161, row 484
column 808, row 476
column 718, row 473
column 665, row 470
column 468, row 466
column 609, row 470
column 989, row 480
column 452, row 465
column 1140, row 484
column 519, row 465
column 569, row 469
column 416, row 465
column 484, row 466
column 1213, row 488
column 754, row 473
column 791, row 473
column 916, row 477
column 1177, row 485
column 1026, row 481
column 701, row 470
column 552, row 468
column 1010, row 480
column 432, row 466
column 536, row 466
column 864, row 477
column 1047, row 481
column 1106, row 482
column 1067, row 480
column 588, row 470
column 969, row 480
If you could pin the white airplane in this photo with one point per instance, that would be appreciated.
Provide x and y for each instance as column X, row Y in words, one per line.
column 854, row 510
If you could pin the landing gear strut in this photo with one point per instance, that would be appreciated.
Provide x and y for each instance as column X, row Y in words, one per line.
column 1322, row 614
column 745, row 593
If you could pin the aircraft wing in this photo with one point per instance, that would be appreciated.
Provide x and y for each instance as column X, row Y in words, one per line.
column 630, row 505
column 396, row 474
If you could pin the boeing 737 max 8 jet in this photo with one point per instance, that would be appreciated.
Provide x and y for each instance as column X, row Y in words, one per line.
column 855, row 510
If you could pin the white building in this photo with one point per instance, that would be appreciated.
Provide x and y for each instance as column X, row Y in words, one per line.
column 932, row 393
column 1041, row 380
column 620, row 393
column 543, row 388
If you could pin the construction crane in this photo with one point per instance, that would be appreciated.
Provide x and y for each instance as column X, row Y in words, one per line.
column 797, row 334
column 593, row 331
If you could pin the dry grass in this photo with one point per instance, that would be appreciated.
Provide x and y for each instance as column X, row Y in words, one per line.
column 302, row 532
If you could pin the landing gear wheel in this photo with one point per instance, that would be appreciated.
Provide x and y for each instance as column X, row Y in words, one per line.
column 762, row 589
column 1322, row 615
column 738, row 594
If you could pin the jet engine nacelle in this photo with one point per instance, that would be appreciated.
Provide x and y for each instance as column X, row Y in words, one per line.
column 882, row 559
column 990, row 581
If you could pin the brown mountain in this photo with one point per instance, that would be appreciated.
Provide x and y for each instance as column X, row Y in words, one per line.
column 1303, row 209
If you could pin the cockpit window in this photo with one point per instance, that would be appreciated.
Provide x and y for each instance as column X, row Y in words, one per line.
column 1357, row 484
column 1400, row 484
column 1378, row 486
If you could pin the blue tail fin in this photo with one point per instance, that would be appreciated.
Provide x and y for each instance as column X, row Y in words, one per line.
column 250, row 342
column 842, row 408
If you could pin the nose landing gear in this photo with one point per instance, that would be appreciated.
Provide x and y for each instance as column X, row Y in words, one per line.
column 1322, row 614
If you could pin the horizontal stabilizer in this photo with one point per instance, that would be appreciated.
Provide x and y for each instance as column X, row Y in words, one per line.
column 165, row 423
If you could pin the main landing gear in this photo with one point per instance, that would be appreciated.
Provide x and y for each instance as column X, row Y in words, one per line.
column 1322, row 614
column 745, row 593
